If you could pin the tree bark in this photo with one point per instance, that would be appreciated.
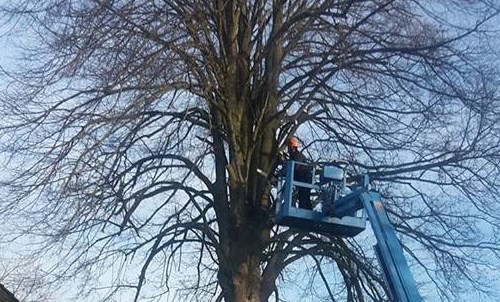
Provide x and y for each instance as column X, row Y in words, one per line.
column 240, row 272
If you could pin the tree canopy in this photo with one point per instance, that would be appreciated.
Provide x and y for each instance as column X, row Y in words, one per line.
column 133, row 131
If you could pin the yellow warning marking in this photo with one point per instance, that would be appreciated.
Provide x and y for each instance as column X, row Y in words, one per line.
column 378, row 204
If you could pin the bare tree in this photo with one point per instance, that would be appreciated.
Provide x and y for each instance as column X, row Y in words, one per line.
column 136, row 128
column 23, row 280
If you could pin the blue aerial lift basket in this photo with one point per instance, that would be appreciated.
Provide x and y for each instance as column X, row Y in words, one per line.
column 344, row 212
column 317, row 221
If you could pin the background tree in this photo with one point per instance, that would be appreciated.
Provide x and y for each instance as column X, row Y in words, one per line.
column 21, row 280
column 135, row 130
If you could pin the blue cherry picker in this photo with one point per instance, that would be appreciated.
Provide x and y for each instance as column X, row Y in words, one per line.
column 346, row 205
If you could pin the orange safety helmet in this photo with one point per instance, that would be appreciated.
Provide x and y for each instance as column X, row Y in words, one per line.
column 293, row 143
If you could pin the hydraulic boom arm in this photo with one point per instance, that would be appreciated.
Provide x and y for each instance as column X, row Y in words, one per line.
column 389, row 250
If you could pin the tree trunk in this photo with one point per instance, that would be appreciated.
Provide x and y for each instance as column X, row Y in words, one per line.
column 245, row 283
column 240, row 272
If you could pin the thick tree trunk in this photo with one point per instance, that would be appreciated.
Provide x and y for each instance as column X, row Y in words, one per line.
column 240, row 271
column 246, row 278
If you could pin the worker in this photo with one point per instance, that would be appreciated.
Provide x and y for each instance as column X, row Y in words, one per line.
column 301, row 173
